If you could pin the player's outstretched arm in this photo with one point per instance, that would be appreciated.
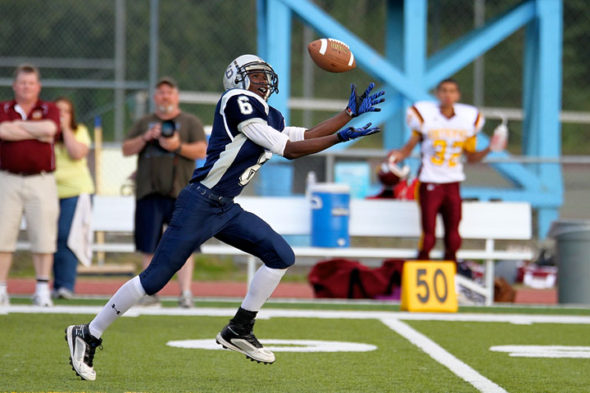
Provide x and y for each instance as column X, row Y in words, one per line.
column 328, row 126
column 357, row 105
column 309, row 146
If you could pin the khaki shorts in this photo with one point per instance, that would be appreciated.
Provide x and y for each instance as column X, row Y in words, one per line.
column 36, row 197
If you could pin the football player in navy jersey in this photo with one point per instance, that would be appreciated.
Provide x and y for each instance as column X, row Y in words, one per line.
column 246, row 132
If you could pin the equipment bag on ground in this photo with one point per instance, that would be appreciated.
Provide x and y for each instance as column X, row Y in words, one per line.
column 348, row 279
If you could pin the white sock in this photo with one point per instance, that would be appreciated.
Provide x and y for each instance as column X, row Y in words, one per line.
column 42, row 286
column 263, row 285
column 3, row 288
column 128, row 295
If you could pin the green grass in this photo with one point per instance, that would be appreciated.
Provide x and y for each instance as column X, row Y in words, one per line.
column 471, row 342
column 34, row 356
column 135, row 358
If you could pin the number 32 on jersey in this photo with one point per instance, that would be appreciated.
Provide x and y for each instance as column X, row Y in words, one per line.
column 429, row 287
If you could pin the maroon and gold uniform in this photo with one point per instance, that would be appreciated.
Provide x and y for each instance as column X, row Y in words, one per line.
column 442, row 143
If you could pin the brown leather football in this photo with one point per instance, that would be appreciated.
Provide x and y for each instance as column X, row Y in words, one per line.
column 331, row 55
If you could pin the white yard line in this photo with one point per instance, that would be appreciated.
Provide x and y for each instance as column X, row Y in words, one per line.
column 439, row 354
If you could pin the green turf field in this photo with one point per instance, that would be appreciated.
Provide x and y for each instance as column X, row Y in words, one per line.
column 414, row 352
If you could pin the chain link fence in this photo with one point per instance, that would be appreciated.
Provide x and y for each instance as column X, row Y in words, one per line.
column 98, row 53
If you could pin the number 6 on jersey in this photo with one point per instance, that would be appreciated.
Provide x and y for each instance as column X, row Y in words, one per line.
column 429, row 286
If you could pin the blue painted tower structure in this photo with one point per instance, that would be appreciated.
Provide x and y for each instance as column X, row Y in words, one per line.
column 407, row 74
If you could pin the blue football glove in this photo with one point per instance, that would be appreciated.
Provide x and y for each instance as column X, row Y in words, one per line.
column 350, row 133
column 365, row 103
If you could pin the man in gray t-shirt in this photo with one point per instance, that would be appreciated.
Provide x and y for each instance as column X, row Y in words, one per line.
column 167, row 143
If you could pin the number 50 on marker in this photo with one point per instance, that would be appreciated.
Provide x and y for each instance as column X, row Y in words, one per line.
column 429, row 286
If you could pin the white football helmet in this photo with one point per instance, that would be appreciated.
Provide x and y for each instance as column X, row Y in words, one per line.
column 390, row 173
column 236, row 74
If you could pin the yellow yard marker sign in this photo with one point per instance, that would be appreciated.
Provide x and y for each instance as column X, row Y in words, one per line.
column 429, row 286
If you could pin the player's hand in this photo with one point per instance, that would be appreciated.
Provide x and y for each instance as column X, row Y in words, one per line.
column 350, row 133
column 394, row 157
column 365, row 103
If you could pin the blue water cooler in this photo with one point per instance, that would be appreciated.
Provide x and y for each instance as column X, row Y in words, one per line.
column 330, row 212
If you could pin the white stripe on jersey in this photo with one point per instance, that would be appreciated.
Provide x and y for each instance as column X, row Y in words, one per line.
column 224, row 162
column 232, row 93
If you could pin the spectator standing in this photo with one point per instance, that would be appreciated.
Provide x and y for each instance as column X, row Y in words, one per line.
column 28, row 129
column 167, row 143
column 74, row 189
column 446, row 130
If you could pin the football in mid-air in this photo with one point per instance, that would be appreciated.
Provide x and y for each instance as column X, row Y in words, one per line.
column 331, row 55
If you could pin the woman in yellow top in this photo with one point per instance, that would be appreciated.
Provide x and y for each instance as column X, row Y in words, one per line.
column 74, row 187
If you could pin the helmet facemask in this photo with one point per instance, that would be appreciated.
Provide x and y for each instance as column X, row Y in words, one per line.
column 242, row 79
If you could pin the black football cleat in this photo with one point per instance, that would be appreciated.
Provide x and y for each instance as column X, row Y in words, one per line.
column 82, row 347
column 235, row 338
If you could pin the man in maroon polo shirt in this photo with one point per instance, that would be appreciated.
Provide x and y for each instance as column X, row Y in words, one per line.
column 28, row 128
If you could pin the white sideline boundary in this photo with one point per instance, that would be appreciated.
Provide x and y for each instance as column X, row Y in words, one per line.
column 443, row 357
column 518, row 319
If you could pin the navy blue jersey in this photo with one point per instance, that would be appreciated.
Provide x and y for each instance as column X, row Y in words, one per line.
column 232, row 158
